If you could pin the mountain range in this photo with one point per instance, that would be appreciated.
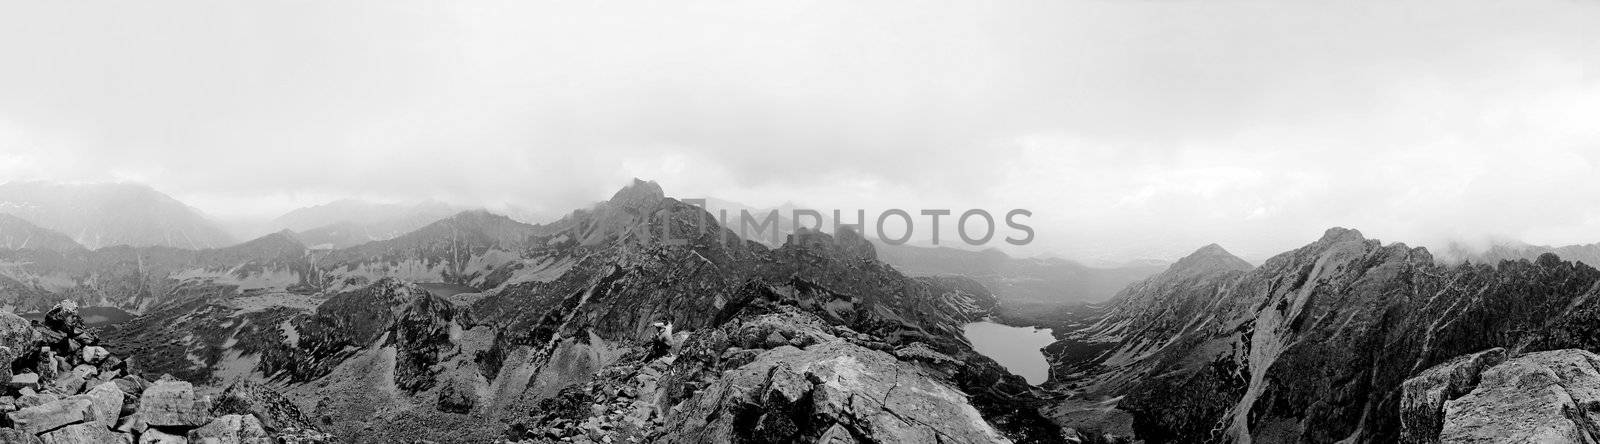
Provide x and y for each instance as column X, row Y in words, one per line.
column 350, row 222
column 1343, row 340
column 479, row 328
column 551, row 334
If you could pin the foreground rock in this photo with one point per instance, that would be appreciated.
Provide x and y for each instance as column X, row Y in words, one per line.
column 770, row 374
column 1422, row 407
column 87, row 394
column 833, row 391
column 1547, row 397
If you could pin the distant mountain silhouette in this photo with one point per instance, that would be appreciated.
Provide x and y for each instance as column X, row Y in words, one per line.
column 107, row 214
column 17, row 234
column 1027, row 281
column 351, row 222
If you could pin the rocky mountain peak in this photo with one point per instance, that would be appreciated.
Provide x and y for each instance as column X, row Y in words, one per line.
column 629, row 213
column 639, row 194
column 1341, row 234
column 844, row 244
column 1211, row 257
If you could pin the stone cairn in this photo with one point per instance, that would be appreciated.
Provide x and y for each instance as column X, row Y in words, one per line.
column 61, row 386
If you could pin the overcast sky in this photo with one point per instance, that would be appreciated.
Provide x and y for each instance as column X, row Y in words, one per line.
column 1129, row 128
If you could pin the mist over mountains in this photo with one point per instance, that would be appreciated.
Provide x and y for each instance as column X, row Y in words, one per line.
column 103, row 215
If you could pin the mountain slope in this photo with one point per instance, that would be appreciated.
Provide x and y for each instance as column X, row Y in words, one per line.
column 1314, row 345
column 462, row 249
column 137, row 279
column 102, row 215
column 18, row 234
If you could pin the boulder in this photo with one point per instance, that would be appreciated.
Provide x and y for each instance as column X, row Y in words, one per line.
column 95, row 354
column 132, row 424
column 85, row 433
column 1547, row 398
column 35, row 399
column 172, row 403
column 153, row 436
column 70, row 384
column 14, row 436
column 86, row 371
column 16, row 333
column 54, row 415
column 132, row 385
column 231, row 429
column 28, row 381
column 107, row 399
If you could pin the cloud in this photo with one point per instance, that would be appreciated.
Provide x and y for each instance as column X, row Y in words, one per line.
column 1129, row 128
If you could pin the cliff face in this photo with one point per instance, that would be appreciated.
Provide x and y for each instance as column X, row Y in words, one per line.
column 1315, row 344
column 1546, row 397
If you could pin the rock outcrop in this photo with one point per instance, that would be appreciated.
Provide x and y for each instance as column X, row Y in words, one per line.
column 1547, row 397
column 772, row 373
column 830, row 391
column 1425, row 395
column 87, row 394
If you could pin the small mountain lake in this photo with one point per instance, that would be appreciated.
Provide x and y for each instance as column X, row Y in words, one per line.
column 445, row 290
column 1016, row 348
column 92, row 316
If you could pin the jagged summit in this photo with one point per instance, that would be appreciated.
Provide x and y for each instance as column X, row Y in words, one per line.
column 639, row 194
column 631, row 211
column 846, row 243
column 1210, row 258
column 1341, row 234
column 1338, row 238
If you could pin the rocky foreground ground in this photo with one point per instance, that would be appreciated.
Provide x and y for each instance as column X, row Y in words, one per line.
column 63, row 387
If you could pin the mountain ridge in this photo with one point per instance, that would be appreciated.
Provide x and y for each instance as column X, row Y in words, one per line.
column 110, row 214
column 1314, row 344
